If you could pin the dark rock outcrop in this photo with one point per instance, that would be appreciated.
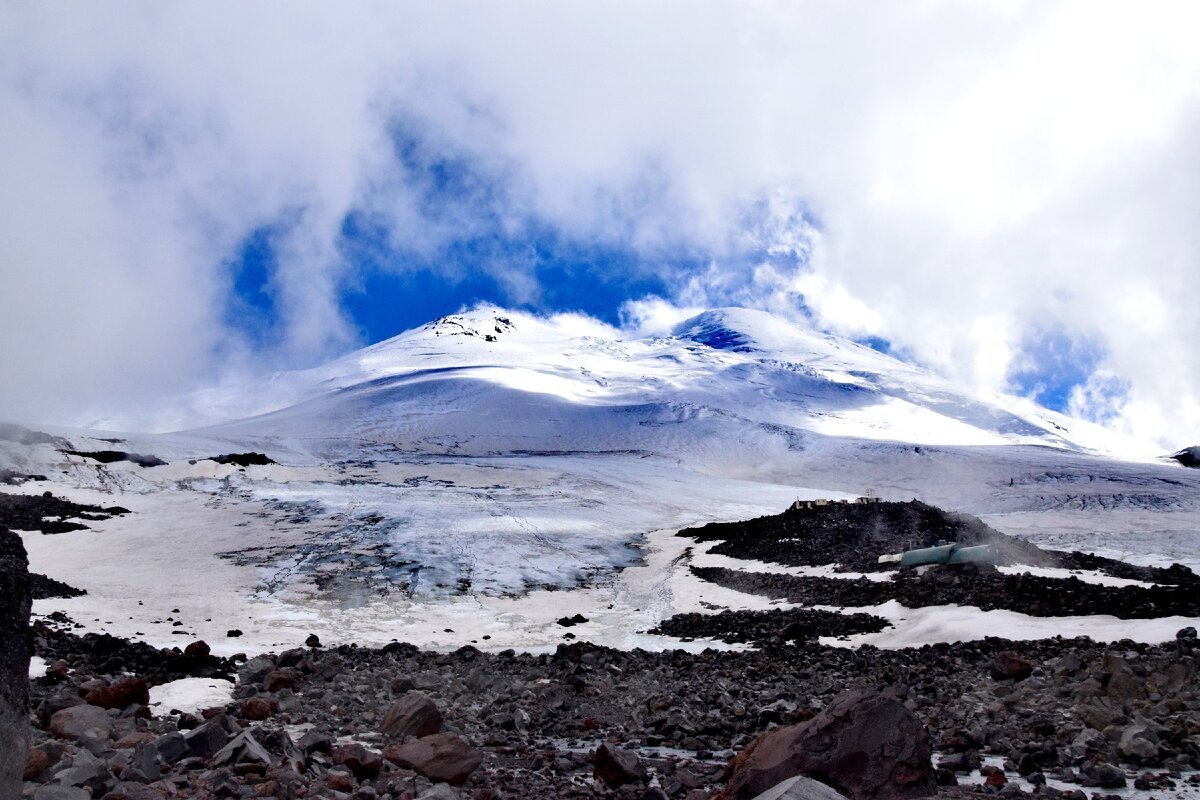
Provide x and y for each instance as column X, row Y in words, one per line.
column 867, row 746
column 15, row 648
column 112, row 456
column 49, row 514
column 1188, row 456
column 242, row 459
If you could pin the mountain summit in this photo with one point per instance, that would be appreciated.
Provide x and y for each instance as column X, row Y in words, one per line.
column 491, row 373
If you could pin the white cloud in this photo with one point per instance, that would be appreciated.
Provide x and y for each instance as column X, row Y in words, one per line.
column 975, row 170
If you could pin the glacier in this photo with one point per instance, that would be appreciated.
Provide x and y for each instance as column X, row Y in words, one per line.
column 479, row 477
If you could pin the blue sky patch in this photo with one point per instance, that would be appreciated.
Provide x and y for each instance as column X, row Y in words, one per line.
column 1054, row 364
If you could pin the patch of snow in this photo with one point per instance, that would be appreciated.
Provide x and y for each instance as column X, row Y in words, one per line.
column 913, row 627
column 1085, row 575
column 37, row 667
column 190, row 695
column 701, row 557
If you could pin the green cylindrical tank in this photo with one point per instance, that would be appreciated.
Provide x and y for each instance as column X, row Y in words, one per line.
column 982, row 552
column 928, row 555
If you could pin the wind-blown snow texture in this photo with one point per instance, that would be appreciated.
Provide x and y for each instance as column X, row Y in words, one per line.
column 459, row 475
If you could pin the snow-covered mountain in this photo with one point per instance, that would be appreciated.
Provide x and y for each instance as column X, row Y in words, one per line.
column 490, row 459
column 744, row 371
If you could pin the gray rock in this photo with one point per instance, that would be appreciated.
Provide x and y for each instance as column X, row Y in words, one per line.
column 144, row 765
column 171, row 747
column 86, row 770
column 800, row 788
column 1139, row 742
column 440, row 791
column 79, row 721
column 243, row 749
column 1105, row 776
column 60, row 793
column 315, row 741
column 617, row 767
column 255, row 670
column 204, row 741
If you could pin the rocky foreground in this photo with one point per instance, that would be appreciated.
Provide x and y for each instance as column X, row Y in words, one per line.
column 1058, row 718
column 592, row 722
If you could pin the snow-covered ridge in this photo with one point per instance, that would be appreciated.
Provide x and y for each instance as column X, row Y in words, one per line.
column 758, row 367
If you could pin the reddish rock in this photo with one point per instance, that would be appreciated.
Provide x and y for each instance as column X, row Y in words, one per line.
column 257, row 709
column 867, row 746
column 339, row 781
column 200, row 649
column 362, row 762
column 267, row 789
column 442, row 757
column 36, row 763
column 412, row 715
column 121, row 694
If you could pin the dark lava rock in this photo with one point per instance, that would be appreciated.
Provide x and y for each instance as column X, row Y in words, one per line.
column 769, row 627
column 971, row 585
column 312, row 641
column 1008, row 666
column 441, row 757
column 100, row 653
column 43, row 588
column 867, row 746
column 113, row 456
column 15, row 649
column 12, row 478
column 854, row 535
column 617, row 767
column 568, row 622
column 47, row 513
column 242, row 459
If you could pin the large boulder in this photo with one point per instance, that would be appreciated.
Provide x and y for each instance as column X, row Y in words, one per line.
column 442, row 757
column 867, row 746
column 412, row 715
column 82, row 720
column 617, row 767
column 15, row 602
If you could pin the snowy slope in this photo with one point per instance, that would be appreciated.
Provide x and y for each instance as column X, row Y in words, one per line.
column 449, row 483
column 726, row 362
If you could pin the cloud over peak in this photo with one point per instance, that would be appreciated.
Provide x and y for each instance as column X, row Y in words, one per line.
column 958, row 180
